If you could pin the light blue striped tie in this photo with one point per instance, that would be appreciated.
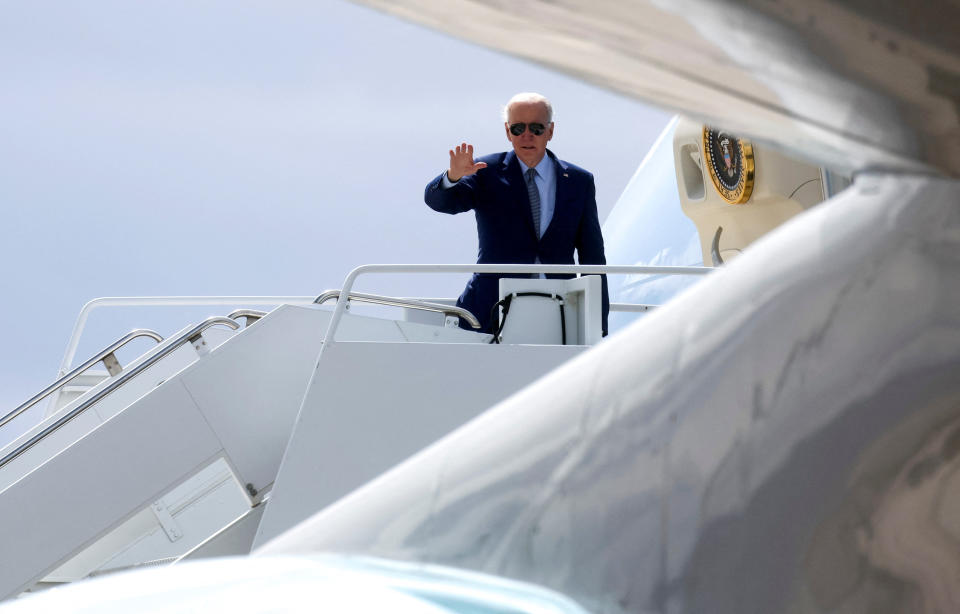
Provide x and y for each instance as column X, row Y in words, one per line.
column 534, row 195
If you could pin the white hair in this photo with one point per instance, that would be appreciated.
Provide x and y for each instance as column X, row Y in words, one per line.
column 524, row 97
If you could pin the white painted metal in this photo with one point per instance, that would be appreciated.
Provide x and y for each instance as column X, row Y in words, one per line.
column 178, row 359
column 432, row 318
column 138, row 431
column 251, row 389
column 370, row 405
column 106, row 356
column 527, row 269
column 200, row 506
column 534, row 319
column 79, row 386
column 248, row 391
column 283, row 362
column 261, row 392
column 87, row 489
column 165, row 518
column 439, row 333
column 234, row 539
column 164, row 301
column 102, row 411
column 198, row 519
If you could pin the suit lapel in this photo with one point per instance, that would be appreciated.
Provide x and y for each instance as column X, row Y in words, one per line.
column 518, row 186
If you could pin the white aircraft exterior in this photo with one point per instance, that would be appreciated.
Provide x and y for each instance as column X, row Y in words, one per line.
column 783, row 436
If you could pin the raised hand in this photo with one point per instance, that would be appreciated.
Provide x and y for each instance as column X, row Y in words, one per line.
column 461, row 162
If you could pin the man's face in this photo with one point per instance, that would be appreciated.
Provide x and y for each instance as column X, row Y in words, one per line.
column 530, row 148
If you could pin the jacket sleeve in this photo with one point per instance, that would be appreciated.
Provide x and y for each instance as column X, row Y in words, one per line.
column 458, row 198
column 590, row 241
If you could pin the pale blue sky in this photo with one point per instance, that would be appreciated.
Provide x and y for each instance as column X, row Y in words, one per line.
column 227, row 147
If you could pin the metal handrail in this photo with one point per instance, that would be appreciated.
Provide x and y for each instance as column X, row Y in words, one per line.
column 562, row 269
column 165, row 301
column 449, row 310
column 188, row 336
column 251, row 315
column 99, row 356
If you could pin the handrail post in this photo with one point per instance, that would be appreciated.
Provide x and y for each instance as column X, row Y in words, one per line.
column 340, row 306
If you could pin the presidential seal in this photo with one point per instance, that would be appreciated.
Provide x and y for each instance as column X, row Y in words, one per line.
column 730, row 164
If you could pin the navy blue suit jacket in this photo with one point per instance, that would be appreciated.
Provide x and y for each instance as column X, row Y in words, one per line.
column 498, row 197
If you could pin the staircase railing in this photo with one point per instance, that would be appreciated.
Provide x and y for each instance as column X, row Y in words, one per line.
column 190, row 336
column 526, row 269
column 106, row 356
column 377, row 299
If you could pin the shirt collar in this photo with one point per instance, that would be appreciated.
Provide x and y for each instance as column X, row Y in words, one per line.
column 544, row 167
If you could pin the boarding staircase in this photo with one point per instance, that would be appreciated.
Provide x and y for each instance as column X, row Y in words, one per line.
column 201, row 420
column 178, row 454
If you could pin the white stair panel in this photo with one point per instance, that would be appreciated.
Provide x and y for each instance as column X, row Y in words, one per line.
column 234, row 539
column 71, row 496
column 89, row 488
column 371, row 405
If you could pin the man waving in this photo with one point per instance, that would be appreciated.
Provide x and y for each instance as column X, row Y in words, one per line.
column 531, row 207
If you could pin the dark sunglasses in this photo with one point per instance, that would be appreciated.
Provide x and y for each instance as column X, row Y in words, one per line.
column 519, row 128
